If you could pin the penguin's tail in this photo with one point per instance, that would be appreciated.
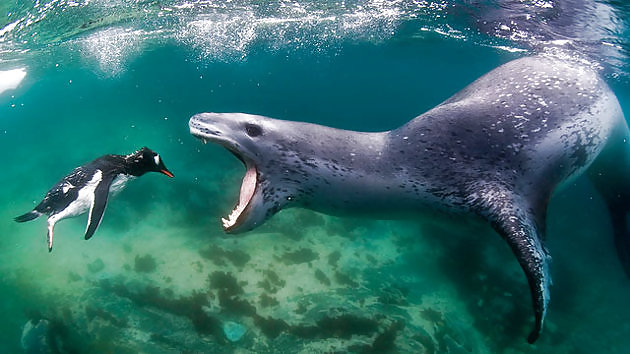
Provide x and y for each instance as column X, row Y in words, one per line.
column 31, row 215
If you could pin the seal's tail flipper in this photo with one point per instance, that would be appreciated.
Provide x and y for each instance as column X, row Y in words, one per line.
column 31, row 215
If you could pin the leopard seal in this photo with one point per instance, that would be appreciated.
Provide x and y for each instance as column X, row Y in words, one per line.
column 496, row 150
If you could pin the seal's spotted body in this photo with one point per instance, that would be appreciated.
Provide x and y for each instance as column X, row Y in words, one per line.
column 496, row 149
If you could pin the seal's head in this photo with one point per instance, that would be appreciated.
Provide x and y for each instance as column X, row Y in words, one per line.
column 257, row 143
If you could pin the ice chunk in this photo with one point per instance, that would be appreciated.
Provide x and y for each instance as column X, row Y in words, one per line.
column 11, row 79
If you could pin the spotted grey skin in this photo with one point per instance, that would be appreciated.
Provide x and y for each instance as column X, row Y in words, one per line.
column 497, row 150
column 87, row 188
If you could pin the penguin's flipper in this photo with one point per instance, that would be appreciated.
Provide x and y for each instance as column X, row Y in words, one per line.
column 97, row 209
column 518, row 224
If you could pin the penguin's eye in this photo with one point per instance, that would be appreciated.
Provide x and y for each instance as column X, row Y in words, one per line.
column 156, row 158
column 253, row 130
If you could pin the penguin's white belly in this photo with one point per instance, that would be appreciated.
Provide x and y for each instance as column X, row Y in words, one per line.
column 119, row 183
column 84, row 201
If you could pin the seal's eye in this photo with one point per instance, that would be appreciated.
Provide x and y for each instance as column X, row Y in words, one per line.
column 253, row 129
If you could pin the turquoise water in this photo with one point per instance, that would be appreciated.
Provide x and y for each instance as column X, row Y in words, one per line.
column 160, row 276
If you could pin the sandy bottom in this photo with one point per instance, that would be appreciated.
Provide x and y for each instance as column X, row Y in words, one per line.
column 327, row 285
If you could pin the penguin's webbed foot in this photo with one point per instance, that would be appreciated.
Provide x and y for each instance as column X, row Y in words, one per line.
column 49, row 234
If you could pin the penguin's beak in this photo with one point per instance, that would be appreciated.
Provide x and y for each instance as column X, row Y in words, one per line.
column 167, row 172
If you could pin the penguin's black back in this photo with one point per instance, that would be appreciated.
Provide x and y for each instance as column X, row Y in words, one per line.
column 56, row 199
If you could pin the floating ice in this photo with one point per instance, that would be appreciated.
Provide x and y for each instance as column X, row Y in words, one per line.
column 11, row 79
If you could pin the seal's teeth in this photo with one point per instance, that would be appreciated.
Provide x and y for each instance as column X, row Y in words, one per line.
column 204, row 141
column 248, row 189
column 231, row 219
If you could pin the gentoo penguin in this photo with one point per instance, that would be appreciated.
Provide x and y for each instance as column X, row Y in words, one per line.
column 87, row 188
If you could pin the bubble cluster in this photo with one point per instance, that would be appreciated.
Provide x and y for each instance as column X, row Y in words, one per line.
column 227, row 33
column 110, row 31
column 112, row 48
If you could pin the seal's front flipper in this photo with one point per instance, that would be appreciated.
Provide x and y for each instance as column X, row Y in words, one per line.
column 97, row 209
column 518, row 224
column 619, row 217
column 610, row 175
column 522, row 237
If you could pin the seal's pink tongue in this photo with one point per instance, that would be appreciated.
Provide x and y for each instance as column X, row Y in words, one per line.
column 248, row 187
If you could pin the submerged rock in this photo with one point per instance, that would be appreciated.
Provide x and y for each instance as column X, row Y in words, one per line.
column 302, row 255
column 96, row 266
column 145, row 264
column 219, row 256
column 35, row 336
column 233, row 331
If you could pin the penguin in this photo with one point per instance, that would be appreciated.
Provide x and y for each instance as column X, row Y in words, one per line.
column 87, row 188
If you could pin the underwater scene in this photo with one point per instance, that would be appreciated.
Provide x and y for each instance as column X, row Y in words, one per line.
column 80, row 79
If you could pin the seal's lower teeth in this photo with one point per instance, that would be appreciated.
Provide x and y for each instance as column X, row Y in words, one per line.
column 248, row 187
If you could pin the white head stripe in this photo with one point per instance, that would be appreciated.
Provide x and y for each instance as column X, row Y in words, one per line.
column 157, row 159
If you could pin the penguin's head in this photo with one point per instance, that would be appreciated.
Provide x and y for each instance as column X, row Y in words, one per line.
column 146, row 160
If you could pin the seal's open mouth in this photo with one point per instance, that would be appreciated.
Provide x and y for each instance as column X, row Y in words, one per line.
column 248, row 188
column 225, row 129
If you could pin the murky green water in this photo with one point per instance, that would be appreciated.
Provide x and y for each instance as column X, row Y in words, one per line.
column 160, row 276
